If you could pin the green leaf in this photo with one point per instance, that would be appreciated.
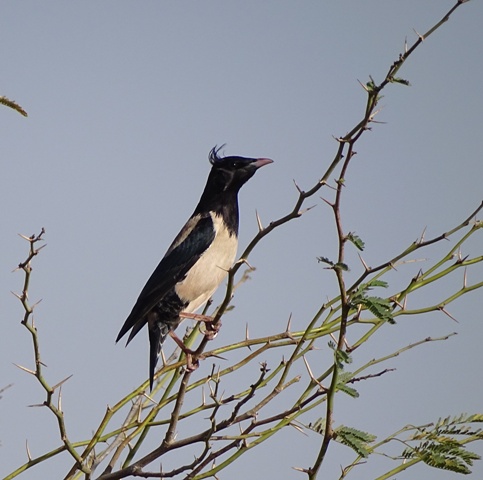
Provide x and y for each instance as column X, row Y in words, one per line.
column 355, row 439
column 318, row 426
column 366, row 287
column 358, row 243
column 376, row 283
column 440, row 446
column 341, row 266
column 380, row 307
column 371, row 85
column 460, row 419
column 325, row 260
column 400, row 80
column 344, row 377
column 352, row 392
column 446, row 462
column 342, row 357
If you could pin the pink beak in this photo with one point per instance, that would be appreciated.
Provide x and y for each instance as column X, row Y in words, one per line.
column 260, row 162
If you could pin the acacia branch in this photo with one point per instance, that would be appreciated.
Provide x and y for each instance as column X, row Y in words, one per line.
column 26, row 267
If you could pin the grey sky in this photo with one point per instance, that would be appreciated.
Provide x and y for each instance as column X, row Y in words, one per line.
column 125, row 100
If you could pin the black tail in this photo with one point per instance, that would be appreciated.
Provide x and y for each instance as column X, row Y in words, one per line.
column 134, row 321
column 158, row 331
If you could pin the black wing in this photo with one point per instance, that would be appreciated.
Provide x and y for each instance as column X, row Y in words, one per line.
column 194, row 238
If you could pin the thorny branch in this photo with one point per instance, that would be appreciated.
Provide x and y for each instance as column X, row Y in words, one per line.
column 28, row 322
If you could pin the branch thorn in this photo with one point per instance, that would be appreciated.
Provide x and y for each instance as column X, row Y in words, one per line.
column 289, row 323
column 28, row 450
column 311, row 375
column 297, row 187
column 363, row 86
column 447, row 313
column 61, row 382
column 259, row 222
column 363, row 262
column 25, row 369
column 421, row 37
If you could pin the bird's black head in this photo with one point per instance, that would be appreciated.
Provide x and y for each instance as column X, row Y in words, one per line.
column 227, row 176
column 230, row 173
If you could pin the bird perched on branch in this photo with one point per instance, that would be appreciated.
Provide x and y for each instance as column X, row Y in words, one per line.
column 198, row 259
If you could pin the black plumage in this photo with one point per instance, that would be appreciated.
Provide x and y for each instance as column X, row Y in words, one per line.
column 198, row 259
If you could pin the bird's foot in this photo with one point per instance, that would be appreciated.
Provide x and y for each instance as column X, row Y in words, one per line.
column 192, row 363
column 211, row 328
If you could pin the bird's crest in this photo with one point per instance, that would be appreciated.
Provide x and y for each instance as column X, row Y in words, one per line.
column 214, row 157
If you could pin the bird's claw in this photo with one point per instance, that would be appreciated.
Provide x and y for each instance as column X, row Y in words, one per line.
column 211, row 330
column 192, row 362
column 211, row 327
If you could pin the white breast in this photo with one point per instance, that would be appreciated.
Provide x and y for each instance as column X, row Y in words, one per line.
column 210, row 270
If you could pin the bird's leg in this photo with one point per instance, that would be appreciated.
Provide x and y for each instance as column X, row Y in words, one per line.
column 192, row 362
column 196, row 316
column 211, row 328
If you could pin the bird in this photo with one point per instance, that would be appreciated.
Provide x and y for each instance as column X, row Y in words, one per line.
column 197, row 260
